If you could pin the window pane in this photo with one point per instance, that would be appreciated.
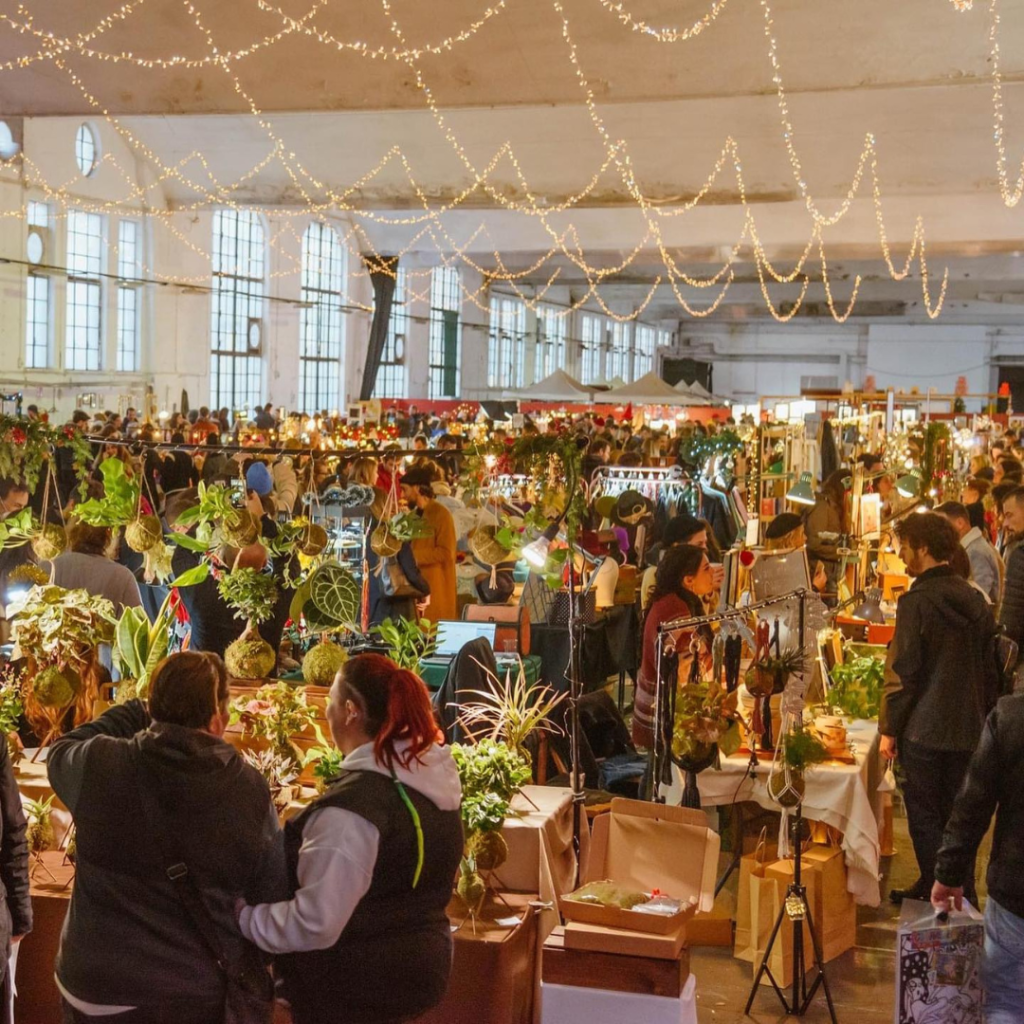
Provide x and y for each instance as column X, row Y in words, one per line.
column 84, row 339
column 322, row 322
column 551, row 335
column 445, row 333
column 37, row 322
column 236, row 374
column 506, row 354
column 128, row 249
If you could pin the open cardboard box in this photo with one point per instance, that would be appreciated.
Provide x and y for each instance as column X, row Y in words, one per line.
column 645, row 846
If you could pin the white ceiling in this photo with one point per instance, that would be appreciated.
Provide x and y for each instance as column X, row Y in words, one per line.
column 914, row 73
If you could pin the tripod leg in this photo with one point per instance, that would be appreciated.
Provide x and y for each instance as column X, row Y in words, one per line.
column 764, row 968
column 822, row 978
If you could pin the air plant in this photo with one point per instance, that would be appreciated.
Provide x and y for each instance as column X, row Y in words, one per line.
column 510, row 711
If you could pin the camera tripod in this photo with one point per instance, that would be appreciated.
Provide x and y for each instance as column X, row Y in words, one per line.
column 796, row 907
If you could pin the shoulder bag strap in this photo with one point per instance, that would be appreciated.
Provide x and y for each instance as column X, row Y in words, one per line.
column 177, row 870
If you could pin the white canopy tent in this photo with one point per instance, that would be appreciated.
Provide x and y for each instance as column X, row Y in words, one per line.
column 649, row 390
column 556, row 387
column 697, row 390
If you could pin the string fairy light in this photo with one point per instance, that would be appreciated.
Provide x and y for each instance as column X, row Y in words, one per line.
column 617, row 154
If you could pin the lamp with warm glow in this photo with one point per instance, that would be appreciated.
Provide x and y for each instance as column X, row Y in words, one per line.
column 802, row 492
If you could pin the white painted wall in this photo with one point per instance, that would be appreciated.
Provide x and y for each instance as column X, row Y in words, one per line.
column 750, row 359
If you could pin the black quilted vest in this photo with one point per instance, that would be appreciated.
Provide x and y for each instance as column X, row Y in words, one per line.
column 393, row 959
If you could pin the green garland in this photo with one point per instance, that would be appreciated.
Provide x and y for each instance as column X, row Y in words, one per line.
column 26, row 445
column 695, row 449
column 555, row 462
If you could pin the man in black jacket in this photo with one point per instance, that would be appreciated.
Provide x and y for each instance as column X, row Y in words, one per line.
column 147, row 794
column 1011, row 611
column 993, row 785
column 940, row 685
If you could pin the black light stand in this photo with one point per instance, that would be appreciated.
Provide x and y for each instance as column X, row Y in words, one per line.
column 575, row 694
column 797, row 909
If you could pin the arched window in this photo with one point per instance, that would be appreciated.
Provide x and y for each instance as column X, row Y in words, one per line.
column 322, row 325
column 236, row 329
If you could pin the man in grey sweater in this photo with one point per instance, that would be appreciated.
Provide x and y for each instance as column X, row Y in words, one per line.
column 986, row 565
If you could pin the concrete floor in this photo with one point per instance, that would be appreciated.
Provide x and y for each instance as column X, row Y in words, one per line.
column 862, row 980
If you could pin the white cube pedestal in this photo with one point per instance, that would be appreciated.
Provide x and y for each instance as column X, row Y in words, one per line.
column 569, row 1004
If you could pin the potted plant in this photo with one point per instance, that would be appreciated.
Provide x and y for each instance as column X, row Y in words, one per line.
column 12, row 707
column 705, row 717
column 58, row 632
column 409, row 641
column 328, row 603
column 857, row 687
column 275, row 714
column 324, row 762
column 253, row 595
column 510, row 712
column 491, row 774
column 769, row 676
column 280, row 773
column 799, row 750
column 140, row 645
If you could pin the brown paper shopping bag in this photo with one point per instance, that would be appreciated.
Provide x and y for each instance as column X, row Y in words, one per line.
column 752, row 865
column 777, row 877
column 833, row 907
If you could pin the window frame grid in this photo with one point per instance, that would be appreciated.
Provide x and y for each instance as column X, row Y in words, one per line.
column 83, row 345
column 506, row 350
column 550, row 350
column 38, row 336
column 236, row 299
column 445, row 297
column 593, row 342
column 322, row 319
column 644, row 348
column 129, row 296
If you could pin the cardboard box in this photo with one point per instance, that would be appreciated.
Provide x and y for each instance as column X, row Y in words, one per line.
column 595, row 938
column 612, row 971
column 645, row 846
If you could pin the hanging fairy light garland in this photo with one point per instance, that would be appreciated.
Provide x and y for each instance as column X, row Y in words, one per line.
column 617, row 154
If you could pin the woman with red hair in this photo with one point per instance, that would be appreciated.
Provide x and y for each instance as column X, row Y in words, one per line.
column 365, row 938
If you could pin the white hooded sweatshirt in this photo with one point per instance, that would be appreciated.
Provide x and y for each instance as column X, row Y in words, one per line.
column 337, row 857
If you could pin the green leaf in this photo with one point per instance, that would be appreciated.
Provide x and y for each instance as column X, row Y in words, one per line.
column 299, row 599
column 335, row 592
column 317, row 621
column 190, row 577
column 189, row 543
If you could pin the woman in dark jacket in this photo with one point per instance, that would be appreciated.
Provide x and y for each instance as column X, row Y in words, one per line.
column 17, row 922
column 372, row 862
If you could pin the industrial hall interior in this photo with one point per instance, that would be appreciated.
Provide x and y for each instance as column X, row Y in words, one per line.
column 511, row 511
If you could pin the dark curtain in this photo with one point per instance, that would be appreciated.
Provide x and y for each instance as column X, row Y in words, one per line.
column 383, row 271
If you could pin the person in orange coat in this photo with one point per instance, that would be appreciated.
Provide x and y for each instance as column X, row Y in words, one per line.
column 435, row 555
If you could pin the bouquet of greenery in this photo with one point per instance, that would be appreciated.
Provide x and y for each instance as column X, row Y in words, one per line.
column 857, row 687
column 409, row 641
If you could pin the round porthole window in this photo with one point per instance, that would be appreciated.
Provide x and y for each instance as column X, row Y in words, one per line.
column 87, row 151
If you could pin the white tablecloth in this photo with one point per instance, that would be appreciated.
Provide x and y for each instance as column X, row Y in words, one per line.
column 840, row 795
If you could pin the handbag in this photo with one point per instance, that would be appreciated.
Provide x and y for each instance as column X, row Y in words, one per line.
column 395, row 581
column 249, row 988
column 586, row 608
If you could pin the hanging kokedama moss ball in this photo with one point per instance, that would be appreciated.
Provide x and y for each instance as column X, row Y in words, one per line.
column 143, row 534
column 241, row 528
column 52, row 688
column 489, row 850
column 314, row 540
column 250, row 657
column 321, row 664
column 49, row 542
